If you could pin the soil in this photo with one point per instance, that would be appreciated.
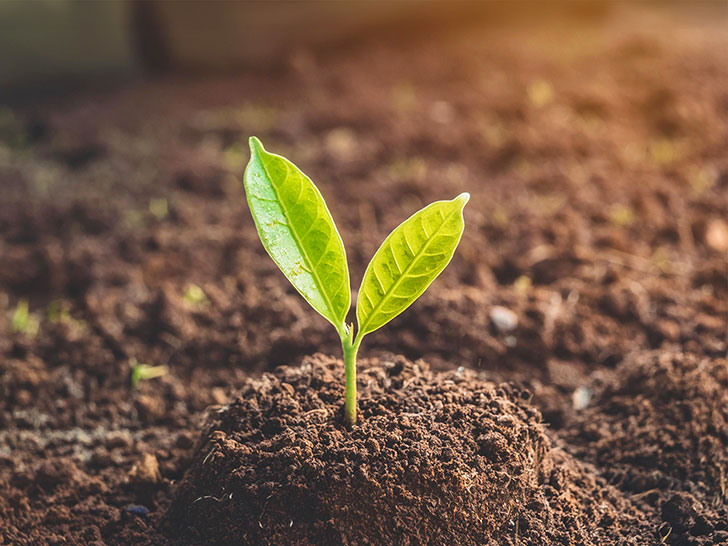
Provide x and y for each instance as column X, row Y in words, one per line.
column 432, row 456
column 593, row 274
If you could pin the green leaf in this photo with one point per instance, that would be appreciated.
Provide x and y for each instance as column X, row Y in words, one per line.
column 298, row 232
column 413, row 255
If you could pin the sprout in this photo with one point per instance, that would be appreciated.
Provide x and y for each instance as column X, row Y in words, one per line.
column 159, row 207
column 143, row 372
column 194, row 295
column 23, row 322
column 299, row 234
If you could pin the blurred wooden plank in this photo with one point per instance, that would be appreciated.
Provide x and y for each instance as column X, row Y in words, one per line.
column 41, row 41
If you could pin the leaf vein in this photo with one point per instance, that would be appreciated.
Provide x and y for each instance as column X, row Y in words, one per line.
column 424, row 228
column 379, row 282
column 310, row 227
column 409, row 247
column 394, row 258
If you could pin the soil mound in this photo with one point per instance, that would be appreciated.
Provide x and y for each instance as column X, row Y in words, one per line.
column 435, row 457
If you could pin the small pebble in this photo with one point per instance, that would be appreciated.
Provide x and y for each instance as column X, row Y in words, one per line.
column 581, row 398
column 145, row 471
column 137, row 510
column 503, row 318
column 716, row 235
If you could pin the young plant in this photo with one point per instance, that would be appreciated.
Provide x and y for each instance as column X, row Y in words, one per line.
column 23, row 322
column 298, row 232
column 144, row 372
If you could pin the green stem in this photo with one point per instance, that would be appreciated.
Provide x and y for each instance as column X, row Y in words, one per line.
column 350, row 349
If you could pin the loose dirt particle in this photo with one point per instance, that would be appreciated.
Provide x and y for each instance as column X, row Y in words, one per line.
column 145, row 471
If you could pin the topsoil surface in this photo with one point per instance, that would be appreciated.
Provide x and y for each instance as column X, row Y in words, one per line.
column 588, row 297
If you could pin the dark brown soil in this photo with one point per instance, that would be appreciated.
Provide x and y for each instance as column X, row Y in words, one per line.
column 659, row 431
column 444, row 456
column 662, row 424
column 596, row 155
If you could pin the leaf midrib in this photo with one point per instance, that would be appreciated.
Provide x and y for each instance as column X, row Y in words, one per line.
column 306, row 257
column 375, row 310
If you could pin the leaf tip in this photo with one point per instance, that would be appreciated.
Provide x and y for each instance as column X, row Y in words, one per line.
column 463, row 198
column 256, row 146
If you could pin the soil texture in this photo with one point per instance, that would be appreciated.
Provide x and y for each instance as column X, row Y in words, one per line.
column 443, row 456
column 593, row 274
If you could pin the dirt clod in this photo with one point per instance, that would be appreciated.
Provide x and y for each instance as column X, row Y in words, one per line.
column 145, row 471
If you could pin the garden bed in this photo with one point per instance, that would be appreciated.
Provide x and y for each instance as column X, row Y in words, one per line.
column 587, row 303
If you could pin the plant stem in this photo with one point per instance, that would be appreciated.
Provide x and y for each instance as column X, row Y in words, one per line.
column 350, row 349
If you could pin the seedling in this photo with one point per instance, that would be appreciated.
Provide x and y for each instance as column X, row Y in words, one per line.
column 144, row 372
column 23, row 322
column 159, row 207
column 298, row 232
column 194, row 295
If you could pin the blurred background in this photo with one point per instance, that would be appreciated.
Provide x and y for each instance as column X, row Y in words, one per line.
column 592, row 136
column 58, row 42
